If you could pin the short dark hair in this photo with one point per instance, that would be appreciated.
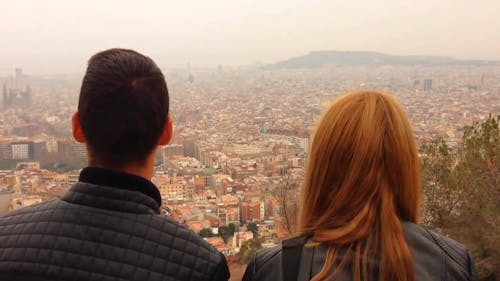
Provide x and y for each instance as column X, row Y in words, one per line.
column 123, row 107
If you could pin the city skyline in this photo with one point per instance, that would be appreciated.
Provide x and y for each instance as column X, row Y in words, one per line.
column 239, row 151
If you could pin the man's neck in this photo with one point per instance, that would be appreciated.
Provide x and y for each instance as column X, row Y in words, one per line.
column 145, row 170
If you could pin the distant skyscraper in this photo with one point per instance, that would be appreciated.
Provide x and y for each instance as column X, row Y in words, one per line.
column 22, row 150
column 189, row 145
column 260, row 122
column 427, row 84
column 4, row 95
column 20, row 78
column 15, row 97
column 19, row 73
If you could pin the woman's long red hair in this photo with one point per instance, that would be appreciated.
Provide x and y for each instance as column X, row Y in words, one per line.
column 362, row 180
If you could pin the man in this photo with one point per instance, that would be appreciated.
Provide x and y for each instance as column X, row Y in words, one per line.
column 108, row 226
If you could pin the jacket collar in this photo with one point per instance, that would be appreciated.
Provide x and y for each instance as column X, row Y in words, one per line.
column 110, row 189
column 113, row 178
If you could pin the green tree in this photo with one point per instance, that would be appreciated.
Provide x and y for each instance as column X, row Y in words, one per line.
column 206, row 232
column 232, row 227
column 440, row 189
column 254, row 228
column 462, row 192
column 286, row 194
column 478, row 171
column 225, row 232
column 248, row 249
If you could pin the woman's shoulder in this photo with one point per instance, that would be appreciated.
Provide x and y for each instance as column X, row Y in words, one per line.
column 268, row 255
column 434, row 252
column 265, row 264
column 270, row 263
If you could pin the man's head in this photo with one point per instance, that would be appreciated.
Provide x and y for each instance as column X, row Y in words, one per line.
column 123, row 109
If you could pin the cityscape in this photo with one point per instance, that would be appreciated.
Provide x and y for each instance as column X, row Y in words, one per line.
column 240, row 136
column 249, row 179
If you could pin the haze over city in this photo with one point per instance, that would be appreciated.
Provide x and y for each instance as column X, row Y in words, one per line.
column 53, row 37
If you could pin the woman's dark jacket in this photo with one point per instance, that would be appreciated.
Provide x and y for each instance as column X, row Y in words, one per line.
column 435, row 257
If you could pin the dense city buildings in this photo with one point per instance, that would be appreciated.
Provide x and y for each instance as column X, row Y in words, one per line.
column 241, row 136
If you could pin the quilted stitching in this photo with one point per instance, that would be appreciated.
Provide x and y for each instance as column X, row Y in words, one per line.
column 102, row 236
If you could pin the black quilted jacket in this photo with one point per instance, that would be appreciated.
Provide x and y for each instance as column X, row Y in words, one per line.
column 103, row 233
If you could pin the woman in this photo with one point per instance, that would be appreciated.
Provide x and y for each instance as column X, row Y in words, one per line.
column 361, row 202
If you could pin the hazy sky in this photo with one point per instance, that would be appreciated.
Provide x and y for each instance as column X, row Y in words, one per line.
column 52, row 36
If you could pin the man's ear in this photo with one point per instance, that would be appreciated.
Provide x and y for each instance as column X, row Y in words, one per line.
column 167, row 133
column 77, row 129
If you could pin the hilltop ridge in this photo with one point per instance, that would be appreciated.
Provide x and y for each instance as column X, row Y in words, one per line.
column 355, row 58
